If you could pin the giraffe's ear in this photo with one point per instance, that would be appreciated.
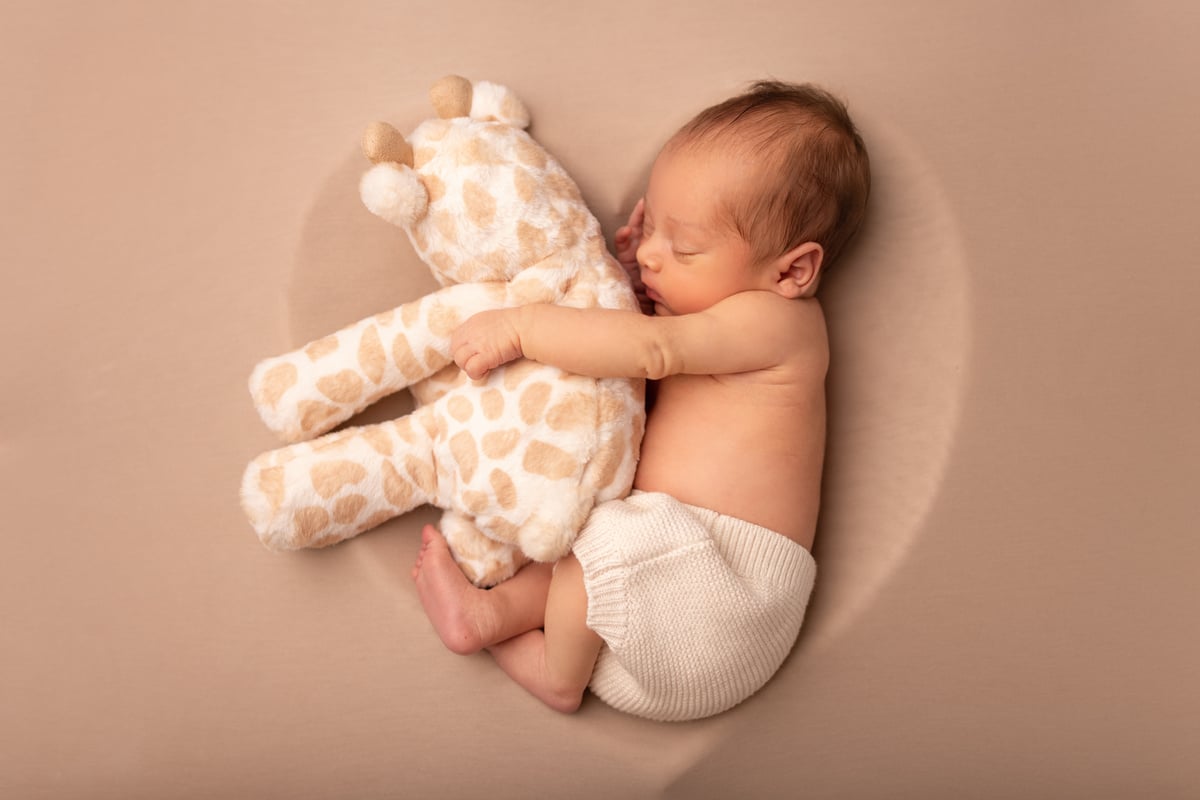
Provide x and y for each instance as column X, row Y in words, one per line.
column 451, row 97
column 382, row 143
column 492, row 101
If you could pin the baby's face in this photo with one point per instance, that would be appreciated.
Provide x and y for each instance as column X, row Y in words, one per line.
column 691, row 257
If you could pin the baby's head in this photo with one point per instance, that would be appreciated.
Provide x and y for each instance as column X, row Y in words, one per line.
column 803, row 167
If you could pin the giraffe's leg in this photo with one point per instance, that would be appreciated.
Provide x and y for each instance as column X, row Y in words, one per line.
column 549, row 533
column 483, row 560
column 322, row 492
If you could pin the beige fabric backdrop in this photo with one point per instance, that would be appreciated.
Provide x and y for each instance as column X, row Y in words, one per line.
column 1006, row 604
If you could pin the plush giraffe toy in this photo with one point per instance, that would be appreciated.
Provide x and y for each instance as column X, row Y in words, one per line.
column 517, row 460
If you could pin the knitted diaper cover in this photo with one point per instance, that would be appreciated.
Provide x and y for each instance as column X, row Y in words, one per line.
column 697, row 610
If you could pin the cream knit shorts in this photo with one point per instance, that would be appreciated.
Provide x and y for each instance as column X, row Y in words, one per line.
column 697, row 610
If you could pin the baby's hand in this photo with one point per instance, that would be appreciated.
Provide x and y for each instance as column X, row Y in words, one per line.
column 486, row 341
column 627, row 241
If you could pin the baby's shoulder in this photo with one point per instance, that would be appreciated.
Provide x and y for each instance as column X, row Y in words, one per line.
column 772, row 308
column 799, row 322
column 759, row 331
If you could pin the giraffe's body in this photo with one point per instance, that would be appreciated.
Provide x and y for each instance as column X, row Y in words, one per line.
column 517, row 460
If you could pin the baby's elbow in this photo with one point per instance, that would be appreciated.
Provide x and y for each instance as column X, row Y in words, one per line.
column 658, row 361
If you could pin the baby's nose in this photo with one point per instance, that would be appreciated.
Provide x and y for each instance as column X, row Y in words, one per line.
column 647, row 257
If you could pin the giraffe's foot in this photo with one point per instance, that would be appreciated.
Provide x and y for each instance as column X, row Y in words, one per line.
column 483, row 560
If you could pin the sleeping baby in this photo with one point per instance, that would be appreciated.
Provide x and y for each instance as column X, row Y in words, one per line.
column 683, row 599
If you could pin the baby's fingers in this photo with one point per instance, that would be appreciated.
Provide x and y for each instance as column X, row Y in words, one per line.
column 475, row 366
column 637, row 215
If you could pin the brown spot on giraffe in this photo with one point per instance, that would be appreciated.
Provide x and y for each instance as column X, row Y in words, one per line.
column 322, row 347
column 316, row 416
column 480, row 205
column 547, row 460
column 448, row 374
column 525, row 291
column 607, row 462
column 559, row 184
column 371, row 357
column 475, row 151
column 270, row 483
column 516, row 372
column 397, row 490
column 378, row 440
column 505, row 489
column 460, row 408
column 496, row 261
column 443, row 319
column 347, row 508
column 576, row 410
column 307, row 524
column 429, row 424
column 420, row 239
column 329, row 477
column 443, row 262
column 406, row 359
column 434, row 187
column 583, row 298
column 475, row 502
column 530, row 154
column 410, row 313
column 525, row 184
column 505, row 530
column 421, row 157
column 533, row 402
column 446, row 225
column 466, row 454
column 531, row 241
column 278, row 380
column 403, row 428
column 422, row 474
column 498, row 444
column 611, row 405
column 344, row 387
column 492, row 402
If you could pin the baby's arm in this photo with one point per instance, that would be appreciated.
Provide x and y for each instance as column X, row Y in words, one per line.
column 748, row 331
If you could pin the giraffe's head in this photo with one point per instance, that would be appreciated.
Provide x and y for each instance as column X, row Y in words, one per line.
column 479, row 198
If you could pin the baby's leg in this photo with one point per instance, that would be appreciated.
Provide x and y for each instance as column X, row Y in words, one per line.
column 555, row 666
column 468, row 618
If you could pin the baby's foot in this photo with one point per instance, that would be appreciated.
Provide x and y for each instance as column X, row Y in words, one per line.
column 452, row 603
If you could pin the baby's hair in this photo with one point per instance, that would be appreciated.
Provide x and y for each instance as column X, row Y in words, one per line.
column 812, row 158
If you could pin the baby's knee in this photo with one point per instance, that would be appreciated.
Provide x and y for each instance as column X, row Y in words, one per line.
column 564, row 699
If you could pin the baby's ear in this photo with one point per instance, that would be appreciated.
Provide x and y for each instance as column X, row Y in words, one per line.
column 799, row 270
